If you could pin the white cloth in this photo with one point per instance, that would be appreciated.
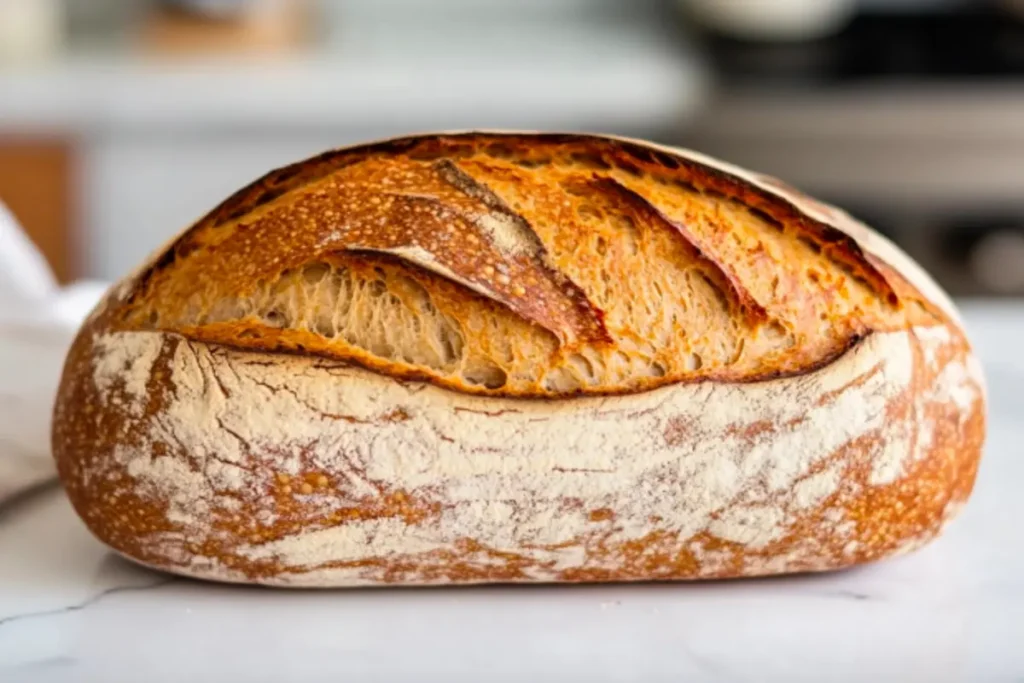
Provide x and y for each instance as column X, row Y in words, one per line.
column 38, row 320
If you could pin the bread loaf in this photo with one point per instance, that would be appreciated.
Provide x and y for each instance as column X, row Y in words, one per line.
column 490, row 357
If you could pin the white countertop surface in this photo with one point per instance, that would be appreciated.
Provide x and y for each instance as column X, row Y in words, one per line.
column 954, row 611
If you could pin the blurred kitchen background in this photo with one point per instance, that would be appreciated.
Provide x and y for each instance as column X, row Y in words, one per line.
column 121, row 121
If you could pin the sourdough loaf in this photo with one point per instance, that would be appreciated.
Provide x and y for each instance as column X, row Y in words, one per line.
column 487, row 357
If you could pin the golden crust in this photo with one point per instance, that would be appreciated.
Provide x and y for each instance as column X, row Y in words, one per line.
column 561, row 264
column 626, row 268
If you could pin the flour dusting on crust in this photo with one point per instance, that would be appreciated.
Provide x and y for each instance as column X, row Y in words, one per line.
column 552, row 484
column 126, row 359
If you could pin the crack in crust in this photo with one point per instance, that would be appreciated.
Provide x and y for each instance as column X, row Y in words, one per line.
column 530, row 265
column 725, row 281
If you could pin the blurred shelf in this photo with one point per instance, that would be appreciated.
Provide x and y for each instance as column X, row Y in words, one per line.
column 608, row 75
column 937, row 166
column 158, row 141
column 926, row 148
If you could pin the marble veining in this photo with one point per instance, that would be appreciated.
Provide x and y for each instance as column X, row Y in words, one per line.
column 88, row 602
column 954, row 611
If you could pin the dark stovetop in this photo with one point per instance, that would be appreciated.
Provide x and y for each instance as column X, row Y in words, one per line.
column 976, row 45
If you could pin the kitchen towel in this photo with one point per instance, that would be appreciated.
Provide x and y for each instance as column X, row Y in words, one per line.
column 38, row 320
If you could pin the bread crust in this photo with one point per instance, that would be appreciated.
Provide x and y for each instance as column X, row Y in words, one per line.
column 561, row 264
column 196, row 454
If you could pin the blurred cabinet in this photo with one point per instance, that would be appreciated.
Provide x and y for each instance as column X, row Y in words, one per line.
column 36, row 184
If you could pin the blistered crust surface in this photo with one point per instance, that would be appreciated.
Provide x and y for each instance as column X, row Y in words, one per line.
column 530, row 265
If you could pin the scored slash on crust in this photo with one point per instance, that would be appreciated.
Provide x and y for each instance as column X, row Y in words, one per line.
column 513, row 244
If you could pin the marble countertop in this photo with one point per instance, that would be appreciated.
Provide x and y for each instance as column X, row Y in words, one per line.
column 954, row 611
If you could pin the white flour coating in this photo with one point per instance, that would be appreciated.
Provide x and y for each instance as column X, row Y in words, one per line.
column 932, row 339
column 126, row 359
column 958, row 382
column 711, row 561
column 754, row 527
column 503, row 469
column 816, row 488
column 888, row 463
column 507, row 234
